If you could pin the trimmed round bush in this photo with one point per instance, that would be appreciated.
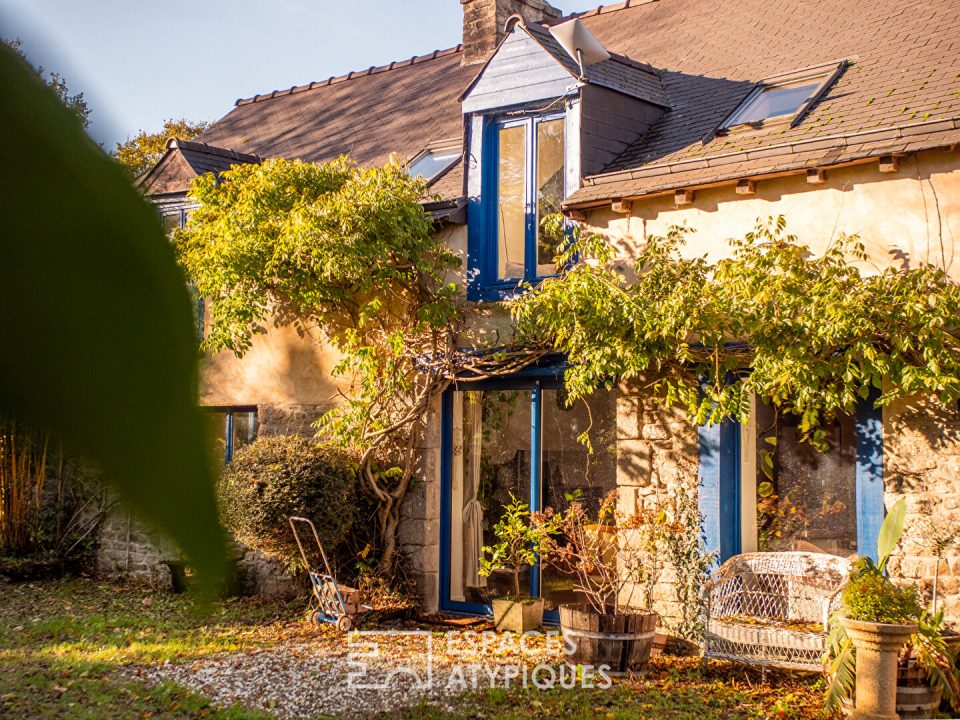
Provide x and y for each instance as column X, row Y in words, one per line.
column 276, row 477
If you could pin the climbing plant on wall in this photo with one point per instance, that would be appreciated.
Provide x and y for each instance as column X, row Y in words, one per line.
column 813, row 334
column 347, row 255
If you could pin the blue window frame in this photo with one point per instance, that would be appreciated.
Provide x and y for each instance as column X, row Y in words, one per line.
column 719, row 491
column 533, row 380
column 234, row 428
column 523, row 181
column 720, row 482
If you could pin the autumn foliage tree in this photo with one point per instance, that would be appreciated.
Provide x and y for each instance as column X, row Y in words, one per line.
column 144, row 150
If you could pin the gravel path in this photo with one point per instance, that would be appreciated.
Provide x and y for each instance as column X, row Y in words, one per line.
column 331, row 677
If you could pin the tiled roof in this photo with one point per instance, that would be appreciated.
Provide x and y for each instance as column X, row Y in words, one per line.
column 204, row 158
column 700, row 58
column 815, row 153
column 619, row 73
column 370, row 115
column 904, row 77
column 184, row 160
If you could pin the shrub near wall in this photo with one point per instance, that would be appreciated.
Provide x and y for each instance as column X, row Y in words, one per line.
column 276, row 477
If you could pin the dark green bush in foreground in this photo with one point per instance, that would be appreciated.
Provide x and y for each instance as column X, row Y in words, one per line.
column 276, row 477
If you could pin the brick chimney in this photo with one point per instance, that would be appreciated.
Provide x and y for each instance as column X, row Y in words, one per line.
column 483, row 22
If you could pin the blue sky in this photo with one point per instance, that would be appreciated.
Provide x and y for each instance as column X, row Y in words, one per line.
column 140, row 61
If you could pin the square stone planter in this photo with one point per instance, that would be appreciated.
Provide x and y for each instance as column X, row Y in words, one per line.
column 517, row 615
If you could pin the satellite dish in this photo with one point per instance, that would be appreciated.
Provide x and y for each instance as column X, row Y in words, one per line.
column 579, row 43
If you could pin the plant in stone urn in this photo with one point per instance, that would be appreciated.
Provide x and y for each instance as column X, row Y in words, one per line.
column 877, row 620
column 520, row 537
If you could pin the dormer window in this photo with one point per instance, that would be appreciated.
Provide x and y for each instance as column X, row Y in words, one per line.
column 523, row 196
column 782, row 99
column 434, row 160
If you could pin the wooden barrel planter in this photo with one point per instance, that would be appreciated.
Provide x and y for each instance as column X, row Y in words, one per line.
column 915, row 697
column 619, row 641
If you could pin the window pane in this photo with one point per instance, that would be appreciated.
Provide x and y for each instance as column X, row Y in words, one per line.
column 806, row 500
column 218, row 432
column 490, row 460
column 170, row 221
column 774, row 102
column 432, row 164
column 550, row 175
column 244, row 429
column 511, row 202
column 569, row 472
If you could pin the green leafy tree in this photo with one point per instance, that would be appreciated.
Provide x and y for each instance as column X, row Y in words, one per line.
column 144, row 150
column 810, row 334
column 76, row 103
column 349, row 254
column 89, row 356
column 520, row 538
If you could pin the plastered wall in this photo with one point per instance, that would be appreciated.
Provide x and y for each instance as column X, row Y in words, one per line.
column 904, row 218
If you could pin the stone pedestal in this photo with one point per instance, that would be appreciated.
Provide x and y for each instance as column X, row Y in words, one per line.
column 877, row 645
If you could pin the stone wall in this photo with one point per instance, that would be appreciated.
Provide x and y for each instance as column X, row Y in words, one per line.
column 657, row 449
column 921, row 462
column 129, row 548
column 288, row 419
column 419, row 533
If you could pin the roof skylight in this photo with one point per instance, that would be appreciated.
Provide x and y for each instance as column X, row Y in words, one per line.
column 784, row 98
column 433, row 161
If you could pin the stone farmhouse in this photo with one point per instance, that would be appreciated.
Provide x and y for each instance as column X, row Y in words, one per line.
column 840, row 115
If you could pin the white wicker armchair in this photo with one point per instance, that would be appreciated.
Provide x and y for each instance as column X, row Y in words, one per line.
column 772, row 609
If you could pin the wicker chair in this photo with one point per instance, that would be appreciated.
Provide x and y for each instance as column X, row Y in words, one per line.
column 772, row 609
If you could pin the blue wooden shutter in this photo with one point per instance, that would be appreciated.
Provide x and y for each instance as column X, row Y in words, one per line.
column 870, row 508
column 719, row 491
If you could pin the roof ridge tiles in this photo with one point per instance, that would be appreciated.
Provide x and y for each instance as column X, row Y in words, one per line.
column 353, row 74
column 606, row 9
column 198, row 146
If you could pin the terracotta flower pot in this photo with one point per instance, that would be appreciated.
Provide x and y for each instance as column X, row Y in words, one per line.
column 517, row 615
column 877, row 645
column 620, row 641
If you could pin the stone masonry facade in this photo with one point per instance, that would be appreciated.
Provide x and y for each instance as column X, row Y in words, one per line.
column 419, row 534
column 921, row 462
column 657, row 449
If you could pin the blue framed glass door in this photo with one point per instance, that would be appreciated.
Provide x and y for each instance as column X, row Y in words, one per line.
column 515, row 437
column 490, row 442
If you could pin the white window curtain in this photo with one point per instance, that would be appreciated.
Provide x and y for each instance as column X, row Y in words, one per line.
column 472, row 509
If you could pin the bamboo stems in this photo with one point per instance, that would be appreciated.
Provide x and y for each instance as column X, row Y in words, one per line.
column 23, row 469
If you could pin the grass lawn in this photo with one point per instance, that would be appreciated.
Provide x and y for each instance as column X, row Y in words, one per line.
column 62, row 642
column 66, row 648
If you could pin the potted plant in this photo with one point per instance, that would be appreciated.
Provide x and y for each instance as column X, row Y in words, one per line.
column 606, row 630
column 520, row 537
column 881, row 628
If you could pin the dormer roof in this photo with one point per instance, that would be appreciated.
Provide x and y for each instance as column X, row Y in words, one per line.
column 185, row 160
column 619, row 73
